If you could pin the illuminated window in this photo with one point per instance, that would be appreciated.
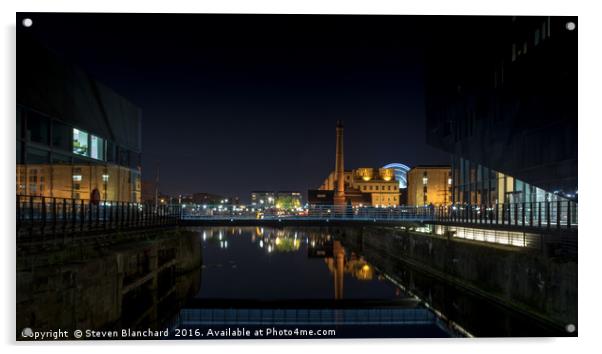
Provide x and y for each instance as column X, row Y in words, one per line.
column 80, row 142
column 97, row 147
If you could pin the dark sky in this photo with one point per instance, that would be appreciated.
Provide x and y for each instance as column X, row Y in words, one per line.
column 235, row 103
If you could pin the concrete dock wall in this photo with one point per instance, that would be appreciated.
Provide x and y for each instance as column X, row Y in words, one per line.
column 522, row 279
column 89, row 286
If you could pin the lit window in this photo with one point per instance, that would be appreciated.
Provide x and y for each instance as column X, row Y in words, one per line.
column 80, row 142
column 105, row 178
column 97, row 147
column 425, row 180
column 77, row 177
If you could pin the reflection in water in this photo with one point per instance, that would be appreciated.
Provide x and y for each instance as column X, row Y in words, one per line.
column 269, row 263
column 300, row 276
column 252, row 276
column 301, row 264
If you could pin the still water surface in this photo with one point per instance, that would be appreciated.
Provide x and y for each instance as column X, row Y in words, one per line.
column 275, row 264
column 297, row 271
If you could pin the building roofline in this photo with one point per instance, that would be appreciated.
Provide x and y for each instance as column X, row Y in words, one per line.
column 431, row 166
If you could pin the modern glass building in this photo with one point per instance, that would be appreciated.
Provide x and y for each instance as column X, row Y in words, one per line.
column 505, row 108
column 74, row 135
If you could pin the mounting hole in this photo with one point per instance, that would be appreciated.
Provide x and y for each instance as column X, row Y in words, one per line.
column 27, row 22
column 570, row 25
column 570, row 328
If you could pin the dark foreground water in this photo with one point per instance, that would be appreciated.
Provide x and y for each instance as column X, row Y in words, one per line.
column 249, row 282
column 296, row 281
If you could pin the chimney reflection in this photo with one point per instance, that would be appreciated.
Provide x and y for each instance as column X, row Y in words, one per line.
column 317, row 244
column 339, row 272
column 338, row 265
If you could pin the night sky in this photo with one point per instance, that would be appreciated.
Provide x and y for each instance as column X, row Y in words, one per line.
column 235, row 103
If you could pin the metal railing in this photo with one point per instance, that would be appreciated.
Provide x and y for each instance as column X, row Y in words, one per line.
column 557, row 214
column 48, row 216
column 314, row 212
column 551, row 214
column 55, row 216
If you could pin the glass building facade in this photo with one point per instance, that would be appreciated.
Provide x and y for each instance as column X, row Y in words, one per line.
column 477, row 184
column 74, row 135
column 57, row 160
column 506, row 109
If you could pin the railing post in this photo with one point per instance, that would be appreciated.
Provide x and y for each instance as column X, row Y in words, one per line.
column 43, row 211
column 469, row 211
column 568, row 214
column 118, row 216
column 531, row 214
column 82, row 215
column 98, row 215
column 90, row 218
column 515, row 214
column 523, row 212
column 54, row 219
column 503, row 213
column 31, row 216
column 548, row 213
column 112, row 216
column 539, row 214
column 153, row 213
column 104, row 215
column 122, row 215
column 18, row 213
column 73, row 215
column 497, row 213
column 64, row 216
column 558, row 212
